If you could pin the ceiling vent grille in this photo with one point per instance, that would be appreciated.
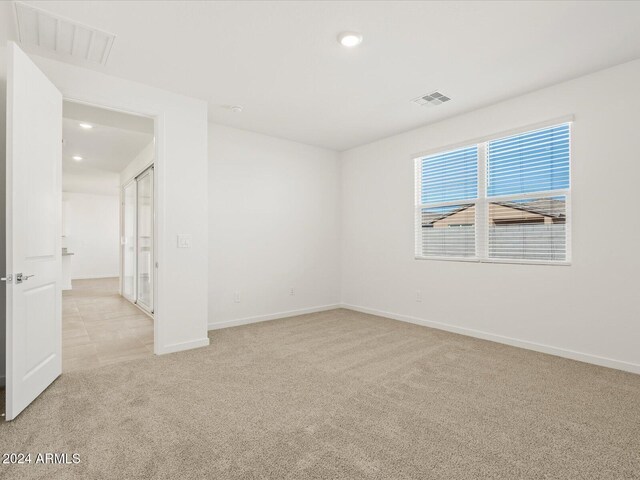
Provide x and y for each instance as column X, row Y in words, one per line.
column 50, row 34
column 431, row 99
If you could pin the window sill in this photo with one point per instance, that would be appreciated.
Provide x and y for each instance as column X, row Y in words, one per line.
column 497, row 260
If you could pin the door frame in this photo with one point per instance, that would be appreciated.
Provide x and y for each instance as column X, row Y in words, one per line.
column 158, row 158
column 181, row 158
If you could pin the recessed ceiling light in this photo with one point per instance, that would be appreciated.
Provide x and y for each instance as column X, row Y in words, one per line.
column 86, row 126
column 77, row 158
column 350, row 39
column 236, row 108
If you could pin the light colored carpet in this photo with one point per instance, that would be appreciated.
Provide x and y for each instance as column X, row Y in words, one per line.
column 336, row 395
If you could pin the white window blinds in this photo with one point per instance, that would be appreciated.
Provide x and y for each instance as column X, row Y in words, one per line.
column 527, row 185
column 450, row 176
column 515, row 210
column 446, row 216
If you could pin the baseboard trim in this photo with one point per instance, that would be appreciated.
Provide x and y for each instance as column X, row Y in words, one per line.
column 96, row 277
column 271, row 316
column 559, row 352
column 179, row 347
column 2, row 380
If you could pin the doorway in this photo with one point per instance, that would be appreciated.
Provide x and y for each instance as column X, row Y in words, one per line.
column 34, row 210
column 107, row 238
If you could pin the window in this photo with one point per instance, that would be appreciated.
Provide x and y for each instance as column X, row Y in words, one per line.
column 448, row 195
column 502, row 200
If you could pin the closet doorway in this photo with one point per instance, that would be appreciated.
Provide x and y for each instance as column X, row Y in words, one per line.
column 137, row 240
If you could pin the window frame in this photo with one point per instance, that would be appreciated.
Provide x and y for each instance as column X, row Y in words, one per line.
column 482, row 201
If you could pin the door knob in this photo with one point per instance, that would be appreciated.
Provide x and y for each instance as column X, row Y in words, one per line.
column 21, row 278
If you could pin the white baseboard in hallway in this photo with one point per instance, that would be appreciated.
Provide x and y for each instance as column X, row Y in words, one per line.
column 271, row 316
column 514, row 342
column 94, row 277
column 179, row 347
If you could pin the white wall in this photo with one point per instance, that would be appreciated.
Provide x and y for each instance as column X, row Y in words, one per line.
column 138, row 164
column 92, row 234
column 273, row 226
column 589, row 310
column 95, row 182
column 181, row 178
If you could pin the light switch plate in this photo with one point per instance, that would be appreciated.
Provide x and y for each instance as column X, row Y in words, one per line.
column 184, row 240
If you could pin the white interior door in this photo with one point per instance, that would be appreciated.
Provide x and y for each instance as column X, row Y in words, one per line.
column 34, row 204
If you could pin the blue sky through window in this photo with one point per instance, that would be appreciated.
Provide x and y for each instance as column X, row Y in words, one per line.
column 530, row 162
column 450, row 176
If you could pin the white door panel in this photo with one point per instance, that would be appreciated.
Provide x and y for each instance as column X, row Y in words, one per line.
column 34, row 169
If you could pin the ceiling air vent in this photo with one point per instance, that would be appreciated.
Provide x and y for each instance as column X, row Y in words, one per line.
column 50, row 34
column 431, row 99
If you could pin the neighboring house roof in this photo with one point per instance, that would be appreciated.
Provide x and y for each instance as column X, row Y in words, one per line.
column 431, row 218
column 546, row 207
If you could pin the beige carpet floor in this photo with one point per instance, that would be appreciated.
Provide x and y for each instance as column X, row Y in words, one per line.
column 336, row 395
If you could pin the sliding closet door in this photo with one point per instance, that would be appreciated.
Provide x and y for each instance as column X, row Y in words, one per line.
column 145, row 240
column 129, row 241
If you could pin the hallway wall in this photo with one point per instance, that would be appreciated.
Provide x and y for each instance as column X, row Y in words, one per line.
column 91, row 233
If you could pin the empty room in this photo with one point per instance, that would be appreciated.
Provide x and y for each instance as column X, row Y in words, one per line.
column 319, row 239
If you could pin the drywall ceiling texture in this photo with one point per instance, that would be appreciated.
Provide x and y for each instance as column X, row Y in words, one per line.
column 588, row 310
column 109, row 118
column 281, row 60
column 181, row 175
column 107, row 150
column 103, row 147
column 273, row 227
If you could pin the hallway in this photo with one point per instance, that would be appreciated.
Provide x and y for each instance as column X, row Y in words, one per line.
column 99, row 327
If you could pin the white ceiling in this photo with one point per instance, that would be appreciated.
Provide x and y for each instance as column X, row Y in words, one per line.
column 111, row 118
column 113, row 142
column 280, row 60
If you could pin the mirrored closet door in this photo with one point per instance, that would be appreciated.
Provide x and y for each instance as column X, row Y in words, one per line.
column 145, row 241
column 137, row 240
column 129, row 241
